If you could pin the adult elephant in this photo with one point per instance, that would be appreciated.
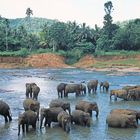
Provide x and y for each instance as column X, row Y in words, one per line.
column 80, row 117
column 29, row 89
column 64, row 120
column 105, row 86
column 119, row 93
column 35, row 91
column 50, row 115
column 73, row 88
column 30, row 104
column 61, row 89
column 121, row 120
column 59, row 103
column 87, row 107
column 134, row 94
column 92, row 86
column 127, row 112
column 27, row 118
column 5, row 111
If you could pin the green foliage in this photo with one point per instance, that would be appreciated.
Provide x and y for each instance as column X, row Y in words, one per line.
column 23, row 53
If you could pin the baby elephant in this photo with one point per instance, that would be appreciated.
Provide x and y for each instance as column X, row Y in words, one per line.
column 121, row 120
column 105, row 86
column 5, row 111
column 35, row 91
column 64, row 120
column 29, row 89
column 50, row 115
column 30, row 104
column 80, row 117
column 87, row 107
column 60, row 103
column 27, row 118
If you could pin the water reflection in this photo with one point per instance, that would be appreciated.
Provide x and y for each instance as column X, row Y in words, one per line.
column 14, row 80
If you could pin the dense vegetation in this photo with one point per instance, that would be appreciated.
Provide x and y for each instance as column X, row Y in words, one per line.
column 37, row 35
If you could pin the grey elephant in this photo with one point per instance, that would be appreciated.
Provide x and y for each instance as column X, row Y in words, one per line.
column 119, row 93
column 59, row 103
column 128, row 112
column 83, row 89
column 50, row 115
column 87, row 107
column 25, row 119
column 92, row 86
column 30, row 104
column 121, row 120
column 80, row 117
column 73, row 88
column 5, row 111
column 29, row 89
column 35, row 91
column 134, row 94
column 61, row 89
column 105, row 86
column 64, row 120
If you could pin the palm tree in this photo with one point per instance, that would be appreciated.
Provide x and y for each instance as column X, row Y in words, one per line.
column 29, row 12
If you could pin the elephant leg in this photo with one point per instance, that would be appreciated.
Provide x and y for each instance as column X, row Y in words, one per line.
column 45, row 123
column 27, row 126
column 10, row 118
column 18, row 129
column 89, row 90
column 23, row 128
column 61, row 94
column 41, row 121
column 5, row 117
column 115, row 97
column 34, row 126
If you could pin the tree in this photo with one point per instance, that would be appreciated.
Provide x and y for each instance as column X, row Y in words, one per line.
column 29, row 12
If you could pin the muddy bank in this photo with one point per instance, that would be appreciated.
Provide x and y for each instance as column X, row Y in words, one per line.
column 56, row 61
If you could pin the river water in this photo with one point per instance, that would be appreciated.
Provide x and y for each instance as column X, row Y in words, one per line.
column 12, row 91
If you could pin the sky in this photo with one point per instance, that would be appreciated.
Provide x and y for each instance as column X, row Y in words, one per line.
column 89, row 11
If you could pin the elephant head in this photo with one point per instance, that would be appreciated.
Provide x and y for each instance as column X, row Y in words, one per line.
column 93, row 107
column 86, row 119
column 66, row 106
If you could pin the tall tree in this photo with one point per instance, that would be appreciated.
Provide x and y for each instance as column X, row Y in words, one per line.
column 29, row 12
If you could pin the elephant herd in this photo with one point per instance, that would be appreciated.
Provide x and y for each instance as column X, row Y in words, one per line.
column 60, row 110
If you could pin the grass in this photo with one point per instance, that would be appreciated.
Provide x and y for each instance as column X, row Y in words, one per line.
column 129, row 62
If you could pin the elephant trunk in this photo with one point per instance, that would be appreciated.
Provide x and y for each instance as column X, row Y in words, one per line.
column 67, row 127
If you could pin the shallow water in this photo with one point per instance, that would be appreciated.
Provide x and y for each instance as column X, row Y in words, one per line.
column 12, row 90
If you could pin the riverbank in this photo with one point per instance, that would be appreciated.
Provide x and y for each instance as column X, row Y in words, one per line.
column 102, row 63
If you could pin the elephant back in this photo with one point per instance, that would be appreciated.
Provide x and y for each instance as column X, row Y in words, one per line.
column 4, row 107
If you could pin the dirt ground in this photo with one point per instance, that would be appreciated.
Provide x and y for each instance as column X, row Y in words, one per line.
column 55, row 61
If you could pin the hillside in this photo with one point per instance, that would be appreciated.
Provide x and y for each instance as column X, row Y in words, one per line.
column 36, row 23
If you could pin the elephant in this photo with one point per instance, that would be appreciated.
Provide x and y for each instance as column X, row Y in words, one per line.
column 119, row 93
column 50, row 115
column 80, row 117
column 134, row 94
column 92, row 86
column 61, row 89
column 29, row 89
column 5, row 111
column 121, row 120
column 73, row 88
column 27, row 118
column 64, row 120
column 87, row 107
column 60, row 103
column 128, row 112
column 35, row 91
column 83, row 89
column 105, row 86
column 30, row 104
